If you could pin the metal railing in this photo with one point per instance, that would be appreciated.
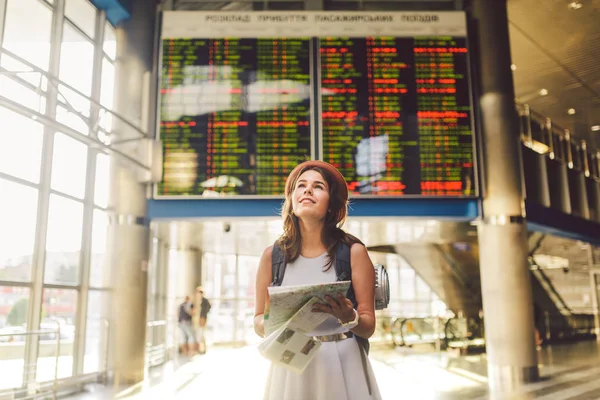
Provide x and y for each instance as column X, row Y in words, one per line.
column 156, row 343
column 543, row 136
column 29, row 371
column 439, row 332
column 31, row 386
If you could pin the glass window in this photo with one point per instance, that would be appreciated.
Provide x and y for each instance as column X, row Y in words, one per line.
column 108, row 84
column 73, row 101
column 102, row 183
column 107, row 94
column 76, row 60
column 18, row 213
column 59, row 308
column 422, row 289
column 21, row 141
column 83, row 14
column 69, row 163
column 27, row 27
column 14, row 306
column 407, row 284
column 21, row 94
column 24, row 72
column 96, row 331
column 72, row 120
column 63, row 241
column 219, row 282
column 99, row 271
column 247, row 268
column 110, row 41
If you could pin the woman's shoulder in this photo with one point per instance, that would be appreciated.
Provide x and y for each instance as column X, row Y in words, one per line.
column 352, row 241
column 356, row 245
column 268, row 251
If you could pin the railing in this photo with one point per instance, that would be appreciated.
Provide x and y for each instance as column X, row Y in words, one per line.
column 33, row 384
column 414, row 331
column 559, row 172
column 30, row 370
column 558, row 328
column 156, row 343
column 551, row 290
column 441, row 333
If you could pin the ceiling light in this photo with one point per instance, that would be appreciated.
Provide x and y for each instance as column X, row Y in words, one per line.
column 575, row 5
column 595, row 128
column 571, row 111
column 513, row 67
column 543, row 92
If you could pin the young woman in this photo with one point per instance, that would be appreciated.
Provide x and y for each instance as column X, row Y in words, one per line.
column 314, row 210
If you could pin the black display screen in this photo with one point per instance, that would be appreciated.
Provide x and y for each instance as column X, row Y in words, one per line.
column 396, row 114
column 235, row 114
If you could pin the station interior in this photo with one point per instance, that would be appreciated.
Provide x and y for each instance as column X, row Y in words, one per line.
column 485, row 212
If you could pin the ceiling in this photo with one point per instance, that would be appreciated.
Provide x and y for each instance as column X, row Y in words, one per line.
column 557, row 48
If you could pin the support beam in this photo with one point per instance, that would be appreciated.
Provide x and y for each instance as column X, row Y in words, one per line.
column 128, row 252
column 505, row 278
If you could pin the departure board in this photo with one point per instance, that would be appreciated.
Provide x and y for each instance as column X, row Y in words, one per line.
column 396, row 114
column 385, row 97
column 235, row 114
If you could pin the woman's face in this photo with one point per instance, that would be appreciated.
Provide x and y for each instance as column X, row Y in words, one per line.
column 310, row 198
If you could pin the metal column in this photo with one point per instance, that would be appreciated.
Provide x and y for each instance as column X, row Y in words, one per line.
column 39, row 258
column 128, row 230
column 88, row 211
column 505, row 278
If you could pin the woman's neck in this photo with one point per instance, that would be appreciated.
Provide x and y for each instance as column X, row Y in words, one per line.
column 311, row 231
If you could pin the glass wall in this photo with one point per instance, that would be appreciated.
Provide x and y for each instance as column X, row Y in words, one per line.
column 51, row 183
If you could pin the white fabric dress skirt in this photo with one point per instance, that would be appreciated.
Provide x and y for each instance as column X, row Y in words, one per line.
column 336, row 372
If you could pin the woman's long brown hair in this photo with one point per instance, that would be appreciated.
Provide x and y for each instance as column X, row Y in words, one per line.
column 291, row 240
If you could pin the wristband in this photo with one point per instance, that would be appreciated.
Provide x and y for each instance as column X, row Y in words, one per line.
column 351, row 324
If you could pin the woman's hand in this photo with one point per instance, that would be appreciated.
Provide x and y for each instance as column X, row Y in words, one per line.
column 338, row 306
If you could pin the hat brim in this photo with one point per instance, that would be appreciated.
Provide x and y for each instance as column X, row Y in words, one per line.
column 337, row 177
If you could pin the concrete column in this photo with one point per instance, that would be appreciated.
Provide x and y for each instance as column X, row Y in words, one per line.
column 505, row 277
column 128, row 231
column 187, row 272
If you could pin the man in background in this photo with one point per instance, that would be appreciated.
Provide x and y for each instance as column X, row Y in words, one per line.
column 187, row 345
column 203, row 307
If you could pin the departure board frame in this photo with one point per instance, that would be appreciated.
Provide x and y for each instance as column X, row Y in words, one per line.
column 315, row 26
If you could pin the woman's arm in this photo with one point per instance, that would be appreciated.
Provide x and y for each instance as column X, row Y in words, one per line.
column 263, row 280
column 363, row 282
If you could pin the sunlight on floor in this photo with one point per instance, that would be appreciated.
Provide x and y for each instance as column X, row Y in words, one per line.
column 242, row 373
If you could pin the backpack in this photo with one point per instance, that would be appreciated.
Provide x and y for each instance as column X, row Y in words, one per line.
column 343, row 271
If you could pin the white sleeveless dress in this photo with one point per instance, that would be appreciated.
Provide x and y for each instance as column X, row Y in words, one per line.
column 336, row 372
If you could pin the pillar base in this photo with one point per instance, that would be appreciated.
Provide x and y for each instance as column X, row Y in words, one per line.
column 508, row 378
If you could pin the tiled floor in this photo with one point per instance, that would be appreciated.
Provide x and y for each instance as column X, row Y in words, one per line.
column 568, row 371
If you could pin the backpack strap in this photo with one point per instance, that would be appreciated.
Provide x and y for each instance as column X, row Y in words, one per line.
column 278, row 265
column 343, row 270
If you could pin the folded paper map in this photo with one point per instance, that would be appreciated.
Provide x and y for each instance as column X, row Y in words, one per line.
column 285, row 301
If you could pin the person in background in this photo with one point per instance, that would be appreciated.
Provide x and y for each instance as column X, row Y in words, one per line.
column 204, row 307
column 315, row 208
column 187, row 343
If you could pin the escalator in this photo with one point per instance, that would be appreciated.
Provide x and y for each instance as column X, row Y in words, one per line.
column 451, row 269
column 456, row 334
